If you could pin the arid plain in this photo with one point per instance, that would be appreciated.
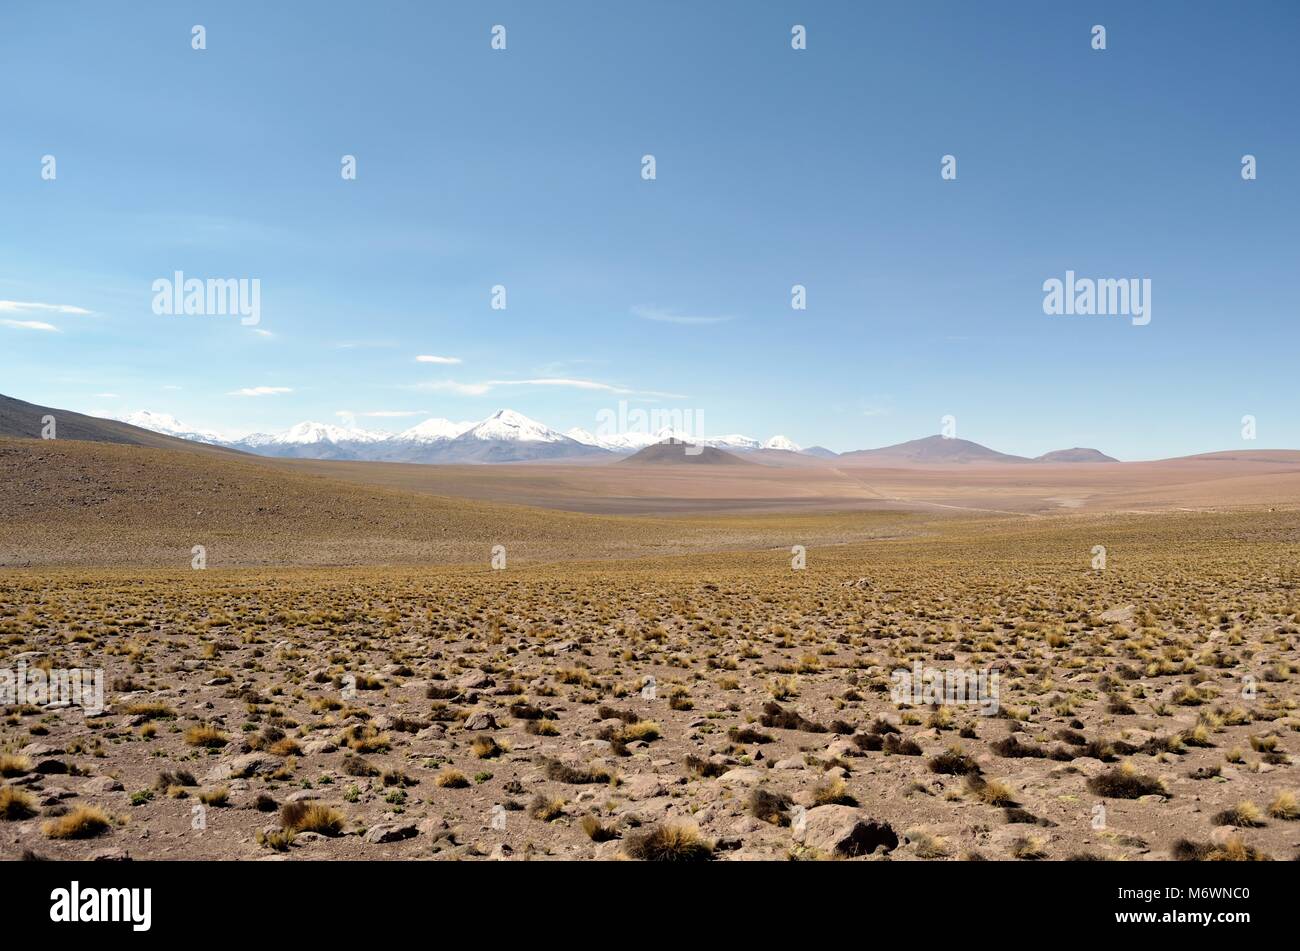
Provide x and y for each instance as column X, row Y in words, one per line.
column 649, row 676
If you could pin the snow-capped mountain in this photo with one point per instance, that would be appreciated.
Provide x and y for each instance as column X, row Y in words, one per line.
column 618, row 442
column 508, row 426
column 634, row 441
column 171, row 426
column 307, row 433
column 505, row 436
column 742, row 443
column 434, row 430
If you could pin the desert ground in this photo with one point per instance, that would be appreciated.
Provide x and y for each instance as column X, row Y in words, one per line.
column 650, row 675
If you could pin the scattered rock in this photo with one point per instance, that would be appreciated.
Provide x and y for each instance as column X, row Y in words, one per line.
column 391, row 832
column 101, row 784
column 482, row 720
column 845, row 831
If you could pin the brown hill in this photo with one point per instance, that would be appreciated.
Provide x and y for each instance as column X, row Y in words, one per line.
column 676, row 454
column 78, row 502
column 1077, row 454
column 25, row 421
column 932, row 450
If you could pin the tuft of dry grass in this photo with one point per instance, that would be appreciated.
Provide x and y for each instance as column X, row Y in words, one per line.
column 927, row 846
column 953, row 762
column 311, row 817
column 833, row 791
column 486, row 747
column 991, row 792
column 546, row 808
column 770, row 806
column 219, row 796
column 451, row 779
column 1284, row 806
column 206, row 735
column 1126, row 782
column 596, row 830
column 1244, row 815
column 14, row 764
column 150, row 710
column 1233, row 850
column 574, row 775
column 669, row 842
column 16, row 804
column 1030, row 848
column 84, row 822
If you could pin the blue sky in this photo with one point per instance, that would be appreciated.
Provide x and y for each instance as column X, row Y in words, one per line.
column 522, row 167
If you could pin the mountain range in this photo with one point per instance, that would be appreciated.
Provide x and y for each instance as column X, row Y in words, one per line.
column 505, row 436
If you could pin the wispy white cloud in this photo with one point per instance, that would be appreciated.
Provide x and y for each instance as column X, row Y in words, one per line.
column 381, row 413
column 487, row 386
column 262, row 333
column 431, row 358
column 586, row 385
column 27, row 307
column 669, row 317
column 451, row 386
column 261, row 391
column 365, row 345
column 29, row 325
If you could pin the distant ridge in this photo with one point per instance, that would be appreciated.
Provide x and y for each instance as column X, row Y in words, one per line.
column 505, row 436
column 1077, row 454
column 675, row 454
column 932, row 450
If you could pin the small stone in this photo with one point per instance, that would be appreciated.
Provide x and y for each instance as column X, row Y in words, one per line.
column 101, row 784
column 111, row 855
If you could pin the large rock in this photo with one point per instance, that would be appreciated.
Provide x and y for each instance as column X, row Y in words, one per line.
column 249, row 764
column 645, row 786
column 391, row 832
column 480, row 721
column 844, row 831
column 41, row 749
column 101, row 784
column 473, row 680
column 743, row 776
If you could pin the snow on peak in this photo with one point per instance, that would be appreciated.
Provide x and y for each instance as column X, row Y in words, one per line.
column 505, row 425
column 169, row 426
column 508, row 426
column 436, row 429
column 733, row 441
column 309, row 433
